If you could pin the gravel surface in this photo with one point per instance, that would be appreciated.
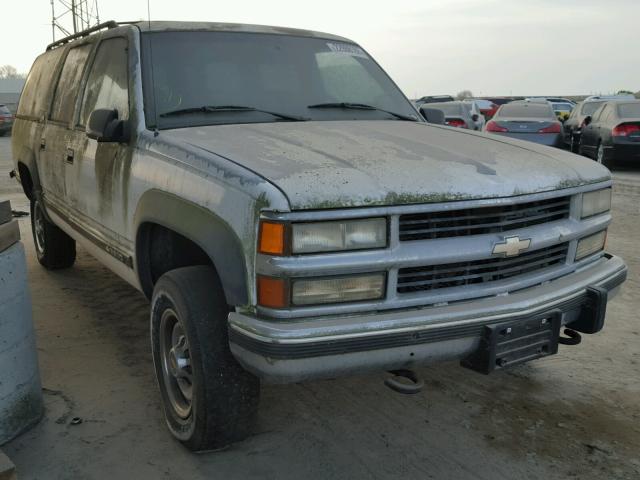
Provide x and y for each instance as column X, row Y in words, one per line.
column 573, row 415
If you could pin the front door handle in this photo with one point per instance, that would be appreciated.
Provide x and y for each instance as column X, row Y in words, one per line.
column 70, row 154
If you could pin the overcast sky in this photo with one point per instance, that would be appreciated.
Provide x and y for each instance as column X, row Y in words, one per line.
column 491, row 47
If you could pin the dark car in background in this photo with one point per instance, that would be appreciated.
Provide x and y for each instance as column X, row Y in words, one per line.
column 6, row 120
column 456, row 114
column 612, row 133
column 531, row 121
column 575, row 123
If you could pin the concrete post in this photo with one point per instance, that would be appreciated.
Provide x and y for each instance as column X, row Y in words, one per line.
column 21, row 403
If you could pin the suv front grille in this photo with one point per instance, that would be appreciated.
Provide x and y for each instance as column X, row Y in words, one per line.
column 448, row 275
column 482, row 220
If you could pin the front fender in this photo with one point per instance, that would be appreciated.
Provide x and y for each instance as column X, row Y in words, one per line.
column 210, row 232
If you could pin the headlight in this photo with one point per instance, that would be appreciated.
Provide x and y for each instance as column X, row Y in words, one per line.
column 596, row 202
column 591, row 244
column 338, row 289
column 339, row 236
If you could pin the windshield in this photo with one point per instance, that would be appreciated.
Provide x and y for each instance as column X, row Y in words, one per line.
column 526, row 110
column 589, row 107
column 629, row 110
column 274, row 73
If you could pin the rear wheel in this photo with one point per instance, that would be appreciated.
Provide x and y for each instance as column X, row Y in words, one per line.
column 54, row 248
column 209, row 400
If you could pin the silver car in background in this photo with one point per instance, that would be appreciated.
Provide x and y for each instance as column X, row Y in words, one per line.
column 534, row 121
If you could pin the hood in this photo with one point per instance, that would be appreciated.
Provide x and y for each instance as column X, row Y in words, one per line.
column 337, row 164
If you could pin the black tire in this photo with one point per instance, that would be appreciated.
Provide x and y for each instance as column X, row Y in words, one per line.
column 209, row 400
column 54, row 248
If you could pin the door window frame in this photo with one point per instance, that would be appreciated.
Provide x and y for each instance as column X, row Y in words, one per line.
column 89, row 69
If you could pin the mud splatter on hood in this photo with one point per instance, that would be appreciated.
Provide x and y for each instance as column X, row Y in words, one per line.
column 364, row 163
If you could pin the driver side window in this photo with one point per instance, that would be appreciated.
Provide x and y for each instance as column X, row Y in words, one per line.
column 107, row 84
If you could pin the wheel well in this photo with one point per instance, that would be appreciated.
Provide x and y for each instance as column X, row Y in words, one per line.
column 160, row 249
column 26, row 180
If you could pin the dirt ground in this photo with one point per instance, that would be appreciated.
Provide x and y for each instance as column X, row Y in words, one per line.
column 573, row 415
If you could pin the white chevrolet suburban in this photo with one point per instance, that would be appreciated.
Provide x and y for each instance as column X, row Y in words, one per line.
column 290, row 215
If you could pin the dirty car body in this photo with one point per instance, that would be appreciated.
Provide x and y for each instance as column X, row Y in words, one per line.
column 347, row 234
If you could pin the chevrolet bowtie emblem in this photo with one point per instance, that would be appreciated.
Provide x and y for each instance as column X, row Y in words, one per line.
column 511, row 246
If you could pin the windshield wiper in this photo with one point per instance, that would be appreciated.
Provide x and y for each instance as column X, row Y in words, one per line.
column 230, row 108
column 361, row 106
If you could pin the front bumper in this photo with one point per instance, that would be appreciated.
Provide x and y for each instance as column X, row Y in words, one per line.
column 294, row 350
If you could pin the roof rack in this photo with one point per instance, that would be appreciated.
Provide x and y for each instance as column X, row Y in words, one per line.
column 83, row 33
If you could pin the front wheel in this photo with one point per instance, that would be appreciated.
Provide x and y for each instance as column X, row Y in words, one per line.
column 209, row 400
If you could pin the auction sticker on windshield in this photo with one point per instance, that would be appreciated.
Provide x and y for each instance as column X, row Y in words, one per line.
column 348, row 49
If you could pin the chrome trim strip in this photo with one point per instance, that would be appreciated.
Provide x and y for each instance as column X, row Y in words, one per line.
column 329, row 327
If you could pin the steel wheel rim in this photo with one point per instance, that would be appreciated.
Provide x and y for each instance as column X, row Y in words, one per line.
column 176, row 363
column 38, row 227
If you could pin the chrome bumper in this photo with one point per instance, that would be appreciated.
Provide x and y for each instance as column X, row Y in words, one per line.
column 300, row 349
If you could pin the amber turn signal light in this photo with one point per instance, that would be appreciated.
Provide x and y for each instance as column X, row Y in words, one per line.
column 271, row 239
column 273, row 292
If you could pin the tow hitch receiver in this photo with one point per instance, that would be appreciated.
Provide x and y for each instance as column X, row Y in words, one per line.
column 511, row 343
column 404, row 381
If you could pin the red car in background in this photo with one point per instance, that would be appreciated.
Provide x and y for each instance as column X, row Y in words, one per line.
column 489, row 106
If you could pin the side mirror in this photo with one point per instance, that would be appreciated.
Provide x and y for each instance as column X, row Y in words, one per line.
column 104, row 126
column 475, row 117
column 587, row 120
column 433, row 115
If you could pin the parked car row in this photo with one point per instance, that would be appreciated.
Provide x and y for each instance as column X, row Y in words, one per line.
column 605, row 128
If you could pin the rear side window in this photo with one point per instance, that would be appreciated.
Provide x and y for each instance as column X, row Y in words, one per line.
column 34, row 100
column 629, row 110
column 107, row 84
column 64, row 100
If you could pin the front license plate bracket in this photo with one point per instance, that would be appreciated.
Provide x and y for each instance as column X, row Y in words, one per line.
column 512, row 343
